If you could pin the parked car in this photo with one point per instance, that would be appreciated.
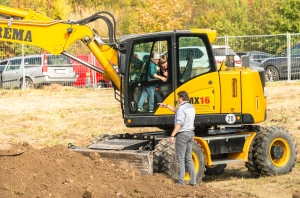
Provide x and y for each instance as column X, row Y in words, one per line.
column 42, row 69
column 276, row 68
column 256, row 55
column 86, row 76
column 240, row 54
column 197, row 53
column 221, row 52
column 197, row 57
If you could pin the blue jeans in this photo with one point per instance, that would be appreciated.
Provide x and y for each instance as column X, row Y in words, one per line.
column 158, row 96
column 183, row 146
column 147, row 91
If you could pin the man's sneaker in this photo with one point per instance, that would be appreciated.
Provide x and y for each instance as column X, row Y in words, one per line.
column 140, row 110
column 150, row 111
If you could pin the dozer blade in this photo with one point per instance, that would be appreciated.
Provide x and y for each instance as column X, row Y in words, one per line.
column 119, row 144
column 131, row 159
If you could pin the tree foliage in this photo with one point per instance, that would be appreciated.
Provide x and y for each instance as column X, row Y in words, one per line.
column 235, row 17
column 153, row 16
column 55, row 9
column 287, row 19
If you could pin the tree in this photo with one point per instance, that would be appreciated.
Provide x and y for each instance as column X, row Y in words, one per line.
column 154, row 16
column 287, row 19
column 55, row 9
column 5, row 2
column 235, row 17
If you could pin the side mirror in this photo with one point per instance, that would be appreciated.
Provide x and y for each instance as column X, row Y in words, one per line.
column 246, row 61
column 122, row 63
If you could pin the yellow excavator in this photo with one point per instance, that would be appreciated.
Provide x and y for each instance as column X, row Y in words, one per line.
column 229, row 100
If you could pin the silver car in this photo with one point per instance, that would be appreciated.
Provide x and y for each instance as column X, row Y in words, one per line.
column 40, row 70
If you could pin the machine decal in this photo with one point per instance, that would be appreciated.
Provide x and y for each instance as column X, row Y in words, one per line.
column 199, row 100
column 16, row 34
column 230, row 118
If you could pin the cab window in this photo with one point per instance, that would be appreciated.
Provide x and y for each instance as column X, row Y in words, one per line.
column 193, row 58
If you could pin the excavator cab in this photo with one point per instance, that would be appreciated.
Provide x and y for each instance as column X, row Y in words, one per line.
column 189, row 57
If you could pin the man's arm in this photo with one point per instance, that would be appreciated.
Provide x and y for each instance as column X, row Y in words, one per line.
column 164, row 79
column 174, row 109
column 154, row 75
column 175, row 130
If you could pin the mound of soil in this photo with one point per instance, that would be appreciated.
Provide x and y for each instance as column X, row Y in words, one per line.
column 59, row 172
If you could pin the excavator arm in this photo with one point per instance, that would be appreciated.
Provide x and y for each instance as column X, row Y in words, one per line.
column 29, row 27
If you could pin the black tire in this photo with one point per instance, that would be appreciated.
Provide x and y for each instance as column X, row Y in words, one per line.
column 169, row 163
column 250, row 164
column 158, row 154
column 100, row 138
column 28, row 82
column 215, row 170
column 270, row 162
column 271, row 74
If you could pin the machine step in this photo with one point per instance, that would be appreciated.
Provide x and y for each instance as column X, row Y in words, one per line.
column 225, row 161
column 225, row 136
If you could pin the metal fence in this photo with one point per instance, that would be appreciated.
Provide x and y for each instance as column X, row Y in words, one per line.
column 278, row 54
column 44, row 69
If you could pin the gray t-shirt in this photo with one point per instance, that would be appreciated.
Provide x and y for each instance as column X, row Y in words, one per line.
column 185, row 117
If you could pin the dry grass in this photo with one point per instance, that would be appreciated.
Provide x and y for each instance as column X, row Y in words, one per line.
column 60, row 115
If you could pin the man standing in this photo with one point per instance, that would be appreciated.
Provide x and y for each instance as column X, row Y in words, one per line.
column 184, row 132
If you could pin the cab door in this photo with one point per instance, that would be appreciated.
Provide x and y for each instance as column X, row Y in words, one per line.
column 140, row 82
column 198, row 77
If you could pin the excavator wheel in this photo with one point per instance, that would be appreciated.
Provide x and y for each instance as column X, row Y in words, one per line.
column 275, row 151
column 215, row 170
column 169, row 163
column 250, row 164
column 158, row 154
column 100, row 138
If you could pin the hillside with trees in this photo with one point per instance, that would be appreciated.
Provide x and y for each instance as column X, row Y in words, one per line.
column 235, row 18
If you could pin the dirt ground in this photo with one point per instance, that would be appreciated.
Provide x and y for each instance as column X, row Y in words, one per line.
column 58, row 172
column 54, row 171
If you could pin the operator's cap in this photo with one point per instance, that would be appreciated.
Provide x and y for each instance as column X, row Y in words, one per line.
column 156, row 56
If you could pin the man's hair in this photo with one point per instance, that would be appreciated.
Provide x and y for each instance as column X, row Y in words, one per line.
column 163, row 59
column 184, row 95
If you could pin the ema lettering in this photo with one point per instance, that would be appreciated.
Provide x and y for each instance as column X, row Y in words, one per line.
column 16, row 34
